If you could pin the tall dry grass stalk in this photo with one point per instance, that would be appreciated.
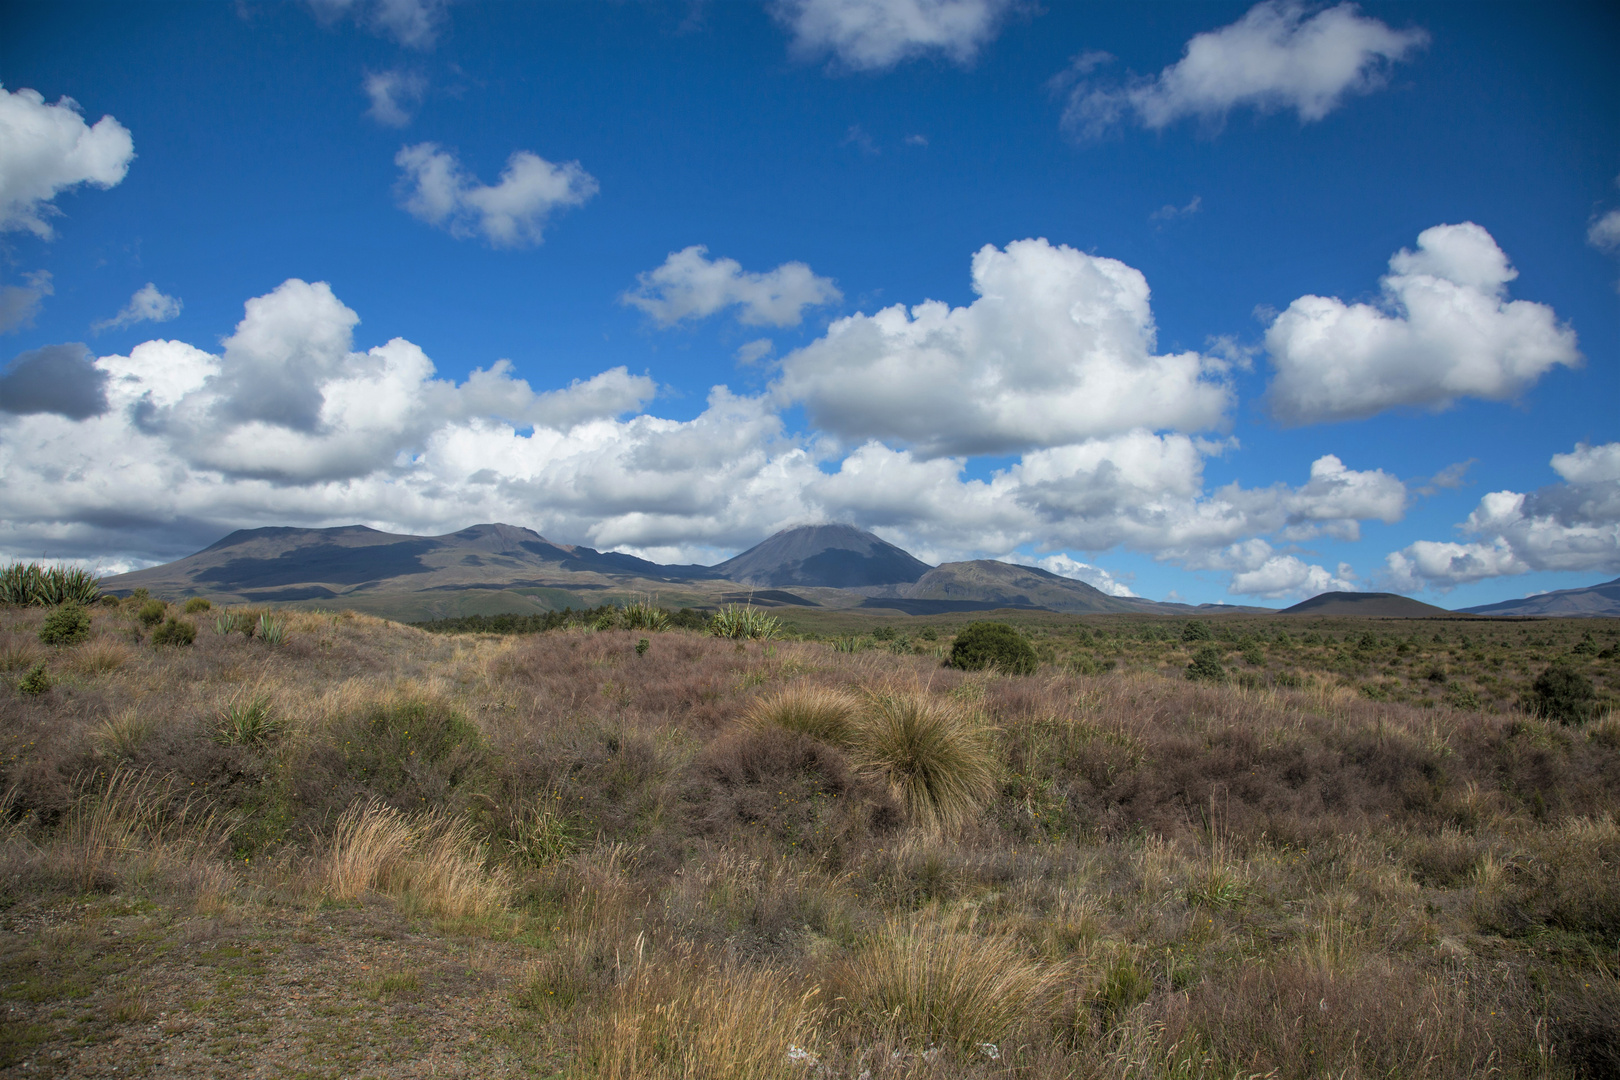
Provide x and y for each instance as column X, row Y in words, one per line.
column 683, row 1019
column 429, row 859
column 940, row 980
column 937, row 757
column 129, row 818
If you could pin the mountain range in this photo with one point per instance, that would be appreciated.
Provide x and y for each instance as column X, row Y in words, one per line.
column 493, row 569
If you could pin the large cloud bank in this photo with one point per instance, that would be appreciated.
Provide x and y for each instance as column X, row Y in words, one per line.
column 150, row 454
column 1443, row 329
column 48, row 149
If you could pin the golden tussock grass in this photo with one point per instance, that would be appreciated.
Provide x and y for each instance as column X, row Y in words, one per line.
column 937, row 757
column 686, row 1017
column 428, row 859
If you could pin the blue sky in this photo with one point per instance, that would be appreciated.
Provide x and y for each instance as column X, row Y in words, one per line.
column 1215, row 302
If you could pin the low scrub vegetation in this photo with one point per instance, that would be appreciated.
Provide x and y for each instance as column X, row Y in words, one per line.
column 616, row 850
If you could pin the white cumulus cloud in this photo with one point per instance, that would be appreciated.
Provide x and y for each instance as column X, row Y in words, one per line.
column 1277, row 57
column 1059, row 348
column 393, row 95
column 512, row 213
column 1069, row 567
column 1574, row 525
column 48, row 149
column 870, row 35
column 689, row 285
column 1261, row 572
column 147, row 305
column 1444, row 328
column 1604, row 233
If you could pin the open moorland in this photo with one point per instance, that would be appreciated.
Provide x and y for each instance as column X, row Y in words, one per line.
column 324, row 845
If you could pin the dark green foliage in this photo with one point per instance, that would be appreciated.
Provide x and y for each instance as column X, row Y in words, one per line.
column 152, row 612
column 67, row 625
column 687, row 619
column 174, row 632
column 982, row 645
column 883, row 633
column 1561, row 693
column 1206, row 666
column 409, row 752
column 522, row 624
column 1197, row 630
column 37, row 681
column 196, row 604
column 642, row 646
column 32, row 585
column 928, row 633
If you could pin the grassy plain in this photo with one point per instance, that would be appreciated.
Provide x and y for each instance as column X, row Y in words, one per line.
column 374, row 851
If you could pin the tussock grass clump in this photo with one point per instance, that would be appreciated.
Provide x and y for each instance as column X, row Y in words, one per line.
column 820, row 712
column 100, row 656
column 246, row 723
column 196, row 604
column 128, row 816
column 174, row 632
column 123, row 735
column 944, row 981
column 936, row 757
column 686, row 1019
column 431, row 859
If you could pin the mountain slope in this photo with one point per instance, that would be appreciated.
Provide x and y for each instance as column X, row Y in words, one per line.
column 1602, row 600
column 1379, row 604
column 998, row 584
column 828, row 556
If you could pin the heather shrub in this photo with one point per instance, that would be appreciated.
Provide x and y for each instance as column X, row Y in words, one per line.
column 174, row 632
column 1561, row 693
column 67, row 625
column 1206, row 665
column 196, row 604
column 936, row 758
column 983, row 645
column 151, row 612
column 410, row 752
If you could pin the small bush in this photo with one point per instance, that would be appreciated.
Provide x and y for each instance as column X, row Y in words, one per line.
column 196, row 604
column 936, row 758
column 67, row 625
column 1206, row 666
column 1197, row 630
column 37, row 681
column 1561, row 693
column 151, row 612
column 983, row 645
column 174, row 632
column 928, row 633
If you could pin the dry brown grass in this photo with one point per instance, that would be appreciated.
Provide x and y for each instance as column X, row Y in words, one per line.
column 430, row 860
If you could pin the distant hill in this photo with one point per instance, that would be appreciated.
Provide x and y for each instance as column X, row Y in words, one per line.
column 823, row 556
column 484, row 569
column 1378, row 604
column 985, row 583
column 1594, row 600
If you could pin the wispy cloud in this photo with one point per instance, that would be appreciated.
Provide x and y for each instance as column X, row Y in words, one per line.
column 147, row 305
column 512, row 213
column 690, row 285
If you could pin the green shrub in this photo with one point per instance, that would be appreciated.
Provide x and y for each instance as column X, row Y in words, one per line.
column 1206, row 666
column 174, row 632
column 67, row 625
column 1197, row 630
column 883, row 633
column 928, row 633
column 37, row 681
column 413, row 752
column 152, row 612
column 196, row 604
column 1561, row 693
column 983, row 645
